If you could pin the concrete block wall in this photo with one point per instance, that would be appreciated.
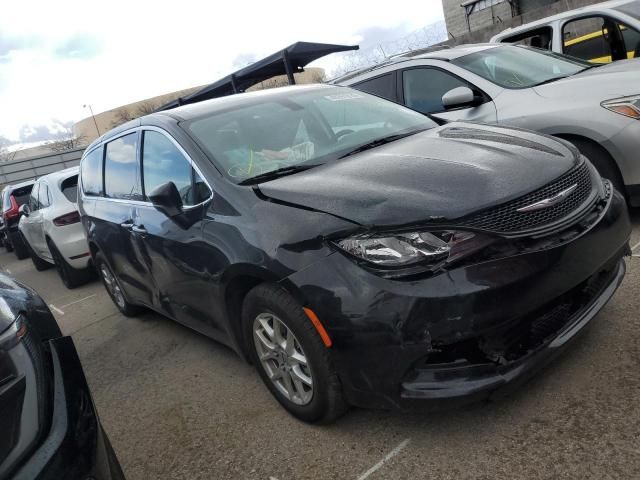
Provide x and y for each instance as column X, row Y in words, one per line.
column 484, row 25
column 18, row 171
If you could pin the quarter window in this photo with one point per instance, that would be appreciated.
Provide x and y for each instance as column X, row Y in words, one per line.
column 382, row 86
column 91, row 173
column 43, row 196
column 424, row 88
column 163, row 162
column 121, row 170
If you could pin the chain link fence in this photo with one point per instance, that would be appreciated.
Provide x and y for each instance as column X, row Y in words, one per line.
column 421, row 38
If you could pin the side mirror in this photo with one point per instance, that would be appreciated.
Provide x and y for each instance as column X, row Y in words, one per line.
column 167, row 200
column 24, row 209
column 460, row 97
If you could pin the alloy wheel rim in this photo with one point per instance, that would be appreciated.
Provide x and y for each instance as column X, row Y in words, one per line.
column 112, row 286
column 283, row 358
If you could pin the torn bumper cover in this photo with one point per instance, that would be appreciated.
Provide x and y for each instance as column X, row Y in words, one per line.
column 460, row 335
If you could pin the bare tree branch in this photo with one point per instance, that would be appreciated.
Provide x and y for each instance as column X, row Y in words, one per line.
column 66, row 142
column 145, row 108
column 122, row 115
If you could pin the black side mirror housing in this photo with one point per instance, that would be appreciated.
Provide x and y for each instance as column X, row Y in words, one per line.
column 166, row 199
column 24, row 209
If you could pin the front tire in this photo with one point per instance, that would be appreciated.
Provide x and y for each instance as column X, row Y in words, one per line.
column 38, row 263
column 114, row 289
column 290, row 357
column 20, row 247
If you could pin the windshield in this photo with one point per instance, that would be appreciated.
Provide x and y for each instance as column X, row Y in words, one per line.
column 520, row 67
column 632, row 9
column 306, row 127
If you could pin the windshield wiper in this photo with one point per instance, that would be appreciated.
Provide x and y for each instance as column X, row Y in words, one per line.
column 381, row 141
column 273, row 174
column 551, row 80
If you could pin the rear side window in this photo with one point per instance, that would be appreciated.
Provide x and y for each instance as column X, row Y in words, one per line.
column 424, row 88
column 91, row 173
column 69, row 188
column 631, row 41
column 163, row 162
column 382, row 86
column 121, row 170
column 22, row 194
column 34, row 204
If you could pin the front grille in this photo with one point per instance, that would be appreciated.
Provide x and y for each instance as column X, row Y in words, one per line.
column 506, row 218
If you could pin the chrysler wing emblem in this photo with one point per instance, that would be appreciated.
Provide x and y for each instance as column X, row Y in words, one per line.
column 549, row 202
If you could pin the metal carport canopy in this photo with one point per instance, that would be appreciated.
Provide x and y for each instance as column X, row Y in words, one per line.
column 288, row 61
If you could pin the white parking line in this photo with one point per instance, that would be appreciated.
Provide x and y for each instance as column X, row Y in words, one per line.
column 8, row 271
column 55, row 309
column 389, row 456
column 635, row 246
column 78, row 301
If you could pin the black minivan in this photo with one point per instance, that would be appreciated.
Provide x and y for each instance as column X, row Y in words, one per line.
column 352, row 249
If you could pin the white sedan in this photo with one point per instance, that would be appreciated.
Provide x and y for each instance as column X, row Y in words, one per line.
column 51, row 227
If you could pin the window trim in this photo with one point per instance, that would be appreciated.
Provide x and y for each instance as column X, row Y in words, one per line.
column 139, row 130
column 400, row 80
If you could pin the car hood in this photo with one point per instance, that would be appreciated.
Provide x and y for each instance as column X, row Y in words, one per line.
column 16, row 298
column 444, row 173
column 617, row 79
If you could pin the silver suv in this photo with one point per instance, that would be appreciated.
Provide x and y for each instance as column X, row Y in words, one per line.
column 595, row 107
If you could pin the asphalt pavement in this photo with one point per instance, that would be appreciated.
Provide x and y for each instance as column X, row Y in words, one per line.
column 177, row 405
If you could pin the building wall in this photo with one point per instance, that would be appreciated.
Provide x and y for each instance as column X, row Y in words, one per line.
column 86, row 128
column 490, row 21
column 17, row 171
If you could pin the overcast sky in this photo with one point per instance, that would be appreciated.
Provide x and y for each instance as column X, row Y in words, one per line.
column 57, row 56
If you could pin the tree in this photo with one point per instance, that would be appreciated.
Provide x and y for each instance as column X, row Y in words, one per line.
column 121, row 115
column 145, row 108
column 6, row 155
column 67, row 141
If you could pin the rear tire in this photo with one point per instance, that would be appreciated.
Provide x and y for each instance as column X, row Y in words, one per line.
column 8, row 245
column 39, row 263
column 114, row 289
column 296, row 359
column 603, row 162
column 71, row 277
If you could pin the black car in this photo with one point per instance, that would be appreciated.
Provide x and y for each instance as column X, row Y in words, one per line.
column 356, row 252
column 13, row 197
column 49, row 428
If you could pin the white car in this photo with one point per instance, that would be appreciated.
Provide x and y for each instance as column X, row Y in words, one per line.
column 599, row 33
column 52, row 229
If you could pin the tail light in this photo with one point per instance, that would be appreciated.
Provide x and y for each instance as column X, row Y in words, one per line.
column 67, row 219
column 14, row 210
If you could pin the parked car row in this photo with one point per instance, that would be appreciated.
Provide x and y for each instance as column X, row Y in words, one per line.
column 43, row 223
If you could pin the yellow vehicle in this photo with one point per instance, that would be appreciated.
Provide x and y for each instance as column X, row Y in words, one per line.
column 600, row 33
column 594, row 41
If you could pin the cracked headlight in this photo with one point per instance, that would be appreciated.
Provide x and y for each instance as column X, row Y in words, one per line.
column 627, row 106
column 422, row 250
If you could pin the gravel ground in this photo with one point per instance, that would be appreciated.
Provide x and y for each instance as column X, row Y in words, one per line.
column 177, row 405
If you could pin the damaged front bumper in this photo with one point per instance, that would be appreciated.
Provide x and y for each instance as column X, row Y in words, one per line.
column 475, row 381
column 462, row 334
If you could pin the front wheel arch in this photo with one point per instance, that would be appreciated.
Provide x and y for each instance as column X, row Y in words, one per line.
column 599, row 156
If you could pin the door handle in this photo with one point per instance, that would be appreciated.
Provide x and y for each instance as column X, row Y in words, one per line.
column 128, row 225
column 138, row 229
